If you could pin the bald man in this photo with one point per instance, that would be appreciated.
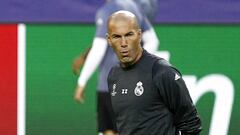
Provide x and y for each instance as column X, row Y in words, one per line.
column 149, row 96
column 102, row 56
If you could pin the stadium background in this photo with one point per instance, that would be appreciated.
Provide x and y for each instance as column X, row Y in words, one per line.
column 196, row 49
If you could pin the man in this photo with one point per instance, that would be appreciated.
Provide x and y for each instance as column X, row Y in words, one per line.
column 149, row 96
column 103, row 55
column 149, row 10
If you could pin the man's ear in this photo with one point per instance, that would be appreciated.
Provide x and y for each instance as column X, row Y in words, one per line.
column 140, row 35
column 108, row 39
column 140, row 32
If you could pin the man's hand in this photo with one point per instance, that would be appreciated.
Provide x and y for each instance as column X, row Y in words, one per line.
column 79, row 61
column 79, row 94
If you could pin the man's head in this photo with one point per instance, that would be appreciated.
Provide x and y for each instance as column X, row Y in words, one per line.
column 124, row 35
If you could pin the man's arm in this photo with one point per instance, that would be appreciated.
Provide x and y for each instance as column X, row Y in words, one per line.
column 79, row 61
column 93, row 60
column 177, row 98
column 185, row 113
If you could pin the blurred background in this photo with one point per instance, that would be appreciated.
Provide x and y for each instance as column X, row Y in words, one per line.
column 202, row 38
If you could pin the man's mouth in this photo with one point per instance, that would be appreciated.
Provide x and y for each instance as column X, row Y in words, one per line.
column 124, row 53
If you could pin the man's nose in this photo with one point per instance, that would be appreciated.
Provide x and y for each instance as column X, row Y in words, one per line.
column 123, row 42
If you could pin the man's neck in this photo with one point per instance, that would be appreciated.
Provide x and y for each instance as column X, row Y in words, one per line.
column 139, row 55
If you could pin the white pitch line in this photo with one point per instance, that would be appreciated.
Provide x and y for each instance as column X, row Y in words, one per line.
column 21, row 79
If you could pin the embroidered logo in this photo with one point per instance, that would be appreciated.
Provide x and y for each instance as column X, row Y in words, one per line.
column 177, row 77
column 113, row 91
column 139, row 89
column 124, row 91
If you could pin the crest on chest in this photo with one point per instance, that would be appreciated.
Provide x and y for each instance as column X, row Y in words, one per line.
column 138, row 91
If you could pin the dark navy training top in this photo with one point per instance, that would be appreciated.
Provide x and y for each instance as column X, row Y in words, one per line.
column 151, row 98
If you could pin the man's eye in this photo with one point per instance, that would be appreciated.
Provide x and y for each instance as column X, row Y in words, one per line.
column 116, row 37
column 130, row 34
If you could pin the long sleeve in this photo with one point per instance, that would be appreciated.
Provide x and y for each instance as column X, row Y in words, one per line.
column 176, row 97
column 93, row 60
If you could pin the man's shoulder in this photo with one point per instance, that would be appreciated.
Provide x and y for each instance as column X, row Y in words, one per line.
column 114, row 70
column 102, row 12
column 106, row 9
column 113, row 73
column 163, row 67
column 162, row 63
column 109, row 7
column 149, row 57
